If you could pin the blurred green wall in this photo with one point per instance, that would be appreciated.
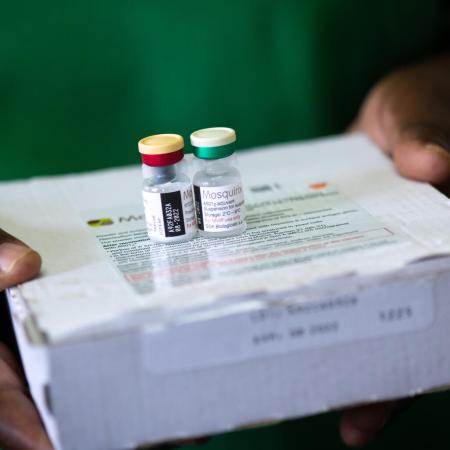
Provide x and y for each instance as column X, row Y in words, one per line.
column 81, row 82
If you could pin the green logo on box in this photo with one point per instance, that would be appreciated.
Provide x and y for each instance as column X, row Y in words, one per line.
column 100, row 222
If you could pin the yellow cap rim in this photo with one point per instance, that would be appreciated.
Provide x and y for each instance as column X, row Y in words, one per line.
column 161, row 144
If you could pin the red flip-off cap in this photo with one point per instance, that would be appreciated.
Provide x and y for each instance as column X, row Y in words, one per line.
column 161, row 149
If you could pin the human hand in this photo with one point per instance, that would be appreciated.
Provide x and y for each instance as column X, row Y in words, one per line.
column 407, row 115
column 20, row 425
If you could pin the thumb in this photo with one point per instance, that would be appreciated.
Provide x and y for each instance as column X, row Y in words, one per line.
column 407, row 114
column 18, row 262
column 420, row 156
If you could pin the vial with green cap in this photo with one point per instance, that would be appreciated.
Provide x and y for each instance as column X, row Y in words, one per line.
column 218, row 191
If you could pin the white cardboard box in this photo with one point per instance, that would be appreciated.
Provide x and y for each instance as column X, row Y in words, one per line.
column 337, row 295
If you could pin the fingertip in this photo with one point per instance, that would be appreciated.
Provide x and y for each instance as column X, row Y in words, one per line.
column 360, row 425
column 18, row 264
column 352, row 436
column 27, row 267
column 352, row 433
column 423, row 161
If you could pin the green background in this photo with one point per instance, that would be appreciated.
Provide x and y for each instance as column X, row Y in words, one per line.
column 423, row 426
column 81, row 82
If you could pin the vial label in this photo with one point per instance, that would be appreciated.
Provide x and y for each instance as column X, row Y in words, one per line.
column 169, row 214
column 219, row 208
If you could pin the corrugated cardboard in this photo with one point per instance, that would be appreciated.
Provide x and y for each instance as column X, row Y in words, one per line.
column 336, row 295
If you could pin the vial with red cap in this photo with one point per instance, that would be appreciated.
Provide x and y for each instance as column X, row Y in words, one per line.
column 167, row 190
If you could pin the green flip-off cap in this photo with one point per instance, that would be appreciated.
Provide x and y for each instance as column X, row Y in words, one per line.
column 213, row 143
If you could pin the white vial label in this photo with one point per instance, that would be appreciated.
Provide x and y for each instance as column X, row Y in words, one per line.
column 169, row 214
column 219, row 208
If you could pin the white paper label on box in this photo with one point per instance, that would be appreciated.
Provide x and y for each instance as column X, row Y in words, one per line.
column 298, row 325
column 285, row 227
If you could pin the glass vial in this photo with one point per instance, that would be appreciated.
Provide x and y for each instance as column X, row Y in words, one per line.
column 218, row 191
column 167, row 190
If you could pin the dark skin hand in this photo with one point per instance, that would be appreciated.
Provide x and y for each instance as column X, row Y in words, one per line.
column 20, row 425
column 407, row 115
